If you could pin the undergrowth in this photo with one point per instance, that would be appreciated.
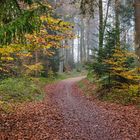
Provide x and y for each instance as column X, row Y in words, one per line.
column 14, row 91
column 20, row 89
column 125, row 95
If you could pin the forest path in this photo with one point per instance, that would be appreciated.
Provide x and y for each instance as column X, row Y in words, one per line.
column 88, row 120
column 65, row 114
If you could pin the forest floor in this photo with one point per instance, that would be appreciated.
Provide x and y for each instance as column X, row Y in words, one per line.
column 66, row 114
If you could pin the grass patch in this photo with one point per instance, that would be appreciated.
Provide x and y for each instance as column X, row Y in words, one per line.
column 70, row 74
column 14, row 91
column 25, row 89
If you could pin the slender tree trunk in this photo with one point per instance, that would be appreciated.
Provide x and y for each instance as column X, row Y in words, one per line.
column 88, row 38
column 78, row 55
column 117, row 22
column 66, row 54
column 72, row 50
column 100, row 29
column 106, row 18
column 81, row 46
column 61, row 62
column 36, row 61
column 82, row 41
column 137, row 34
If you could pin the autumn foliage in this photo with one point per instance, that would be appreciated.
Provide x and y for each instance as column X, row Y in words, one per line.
column 15, row 58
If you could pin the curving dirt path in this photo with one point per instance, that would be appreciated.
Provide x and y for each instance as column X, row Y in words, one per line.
column 65, row 114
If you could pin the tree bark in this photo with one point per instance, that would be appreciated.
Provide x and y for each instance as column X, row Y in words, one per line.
column 100, row 29
column 78, row 55
column 117, row 22
column 82, row 41
column 36, row 61
column 61, row 62
column 137, row 34
column 88, row 38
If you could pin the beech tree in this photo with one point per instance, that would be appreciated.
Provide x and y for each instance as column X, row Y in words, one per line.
column 33, row 43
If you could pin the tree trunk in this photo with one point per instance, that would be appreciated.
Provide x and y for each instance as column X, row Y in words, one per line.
column 61, row 62
column 137, row 34
column 82, row 41
column 100, row 29
column 36, row 61
column 78, row 55
column 117, row 22
column 87, row 39
column 73, row 51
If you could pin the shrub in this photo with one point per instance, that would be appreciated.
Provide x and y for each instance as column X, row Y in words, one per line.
column 127, row 94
